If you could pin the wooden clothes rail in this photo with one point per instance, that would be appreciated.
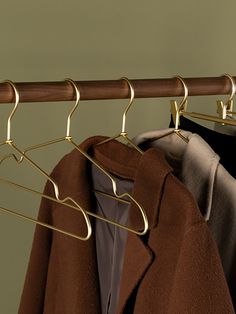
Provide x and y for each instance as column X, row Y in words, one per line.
column 115, row 89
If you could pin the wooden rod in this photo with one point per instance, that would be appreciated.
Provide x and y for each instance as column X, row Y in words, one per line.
column 115, row 89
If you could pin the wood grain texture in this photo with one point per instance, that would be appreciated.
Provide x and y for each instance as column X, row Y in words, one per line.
column 114, row 89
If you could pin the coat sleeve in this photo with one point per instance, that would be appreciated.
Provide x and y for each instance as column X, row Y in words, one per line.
column 32, row 299
column 200, row 285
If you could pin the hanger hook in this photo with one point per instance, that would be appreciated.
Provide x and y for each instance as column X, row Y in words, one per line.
column 17, row 100
column 123, row 131
column 226, row 108
column 232, row 86
column 183, row 101
column 77, row 93
column 177, row 108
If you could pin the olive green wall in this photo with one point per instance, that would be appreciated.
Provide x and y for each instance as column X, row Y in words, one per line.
column 87, row 40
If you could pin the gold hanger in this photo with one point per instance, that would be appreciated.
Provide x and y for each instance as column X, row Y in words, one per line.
column 69, row 138
column 211, row 118
column 9, row 141
column 123, row 134
column 55, row 141
column 16, row 185
column 175, row 109
column 226, row 109
column 114, row 185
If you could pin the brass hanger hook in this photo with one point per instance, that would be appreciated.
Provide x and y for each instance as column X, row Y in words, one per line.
column 232, row 86
column 177, row 108
column 17, row 100
column 124, row 134
column 123, row 129
column 77, row 93
column 224, row 109
column 184, row 100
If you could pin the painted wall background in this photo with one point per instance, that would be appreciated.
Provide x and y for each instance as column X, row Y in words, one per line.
column 88, row 40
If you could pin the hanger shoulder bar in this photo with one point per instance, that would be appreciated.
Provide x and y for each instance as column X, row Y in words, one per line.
column 114, row 89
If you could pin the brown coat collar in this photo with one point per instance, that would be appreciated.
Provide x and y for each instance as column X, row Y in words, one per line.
column 148, row 171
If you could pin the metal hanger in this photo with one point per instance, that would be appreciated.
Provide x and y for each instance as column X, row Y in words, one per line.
column 114, row 185
column 175, row 109
column 19, row 186
column 38, row 222
column 224, row 108
column 55, row 141
column 69, row 138
column 9, row 141
column 123, row 134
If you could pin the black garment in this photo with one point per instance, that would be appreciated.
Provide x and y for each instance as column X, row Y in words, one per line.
column 224, row 145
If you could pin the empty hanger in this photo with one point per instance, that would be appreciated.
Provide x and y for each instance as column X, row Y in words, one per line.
column 69, row 139
column 123, row 134
column 9, row 141
column 19, row 186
